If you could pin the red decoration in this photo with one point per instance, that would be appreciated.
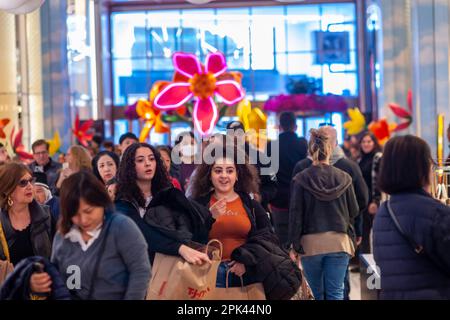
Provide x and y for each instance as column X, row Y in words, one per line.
column 80, row 131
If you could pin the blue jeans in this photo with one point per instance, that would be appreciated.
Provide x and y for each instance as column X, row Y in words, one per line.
column 233, row 280
column 326, row 273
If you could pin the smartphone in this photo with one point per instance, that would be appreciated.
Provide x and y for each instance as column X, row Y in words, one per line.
column 65, row 165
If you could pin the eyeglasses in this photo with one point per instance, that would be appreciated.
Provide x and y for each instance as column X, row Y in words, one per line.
column 24, row 182
column 42, row 153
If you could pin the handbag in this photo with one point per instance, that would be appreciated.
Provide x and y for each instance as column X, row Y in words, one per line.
column 6, row 267
column 174, row 278
column 254, row 291
column 304, row 292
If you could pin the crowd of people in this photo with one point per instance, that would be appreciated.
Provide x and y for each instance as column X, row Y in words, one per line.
column 108, row 211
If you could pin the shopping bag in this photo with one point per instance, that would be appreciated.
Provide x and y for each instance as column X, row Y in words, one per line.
column 253, row 291
column 176, row 279
column 304, row 292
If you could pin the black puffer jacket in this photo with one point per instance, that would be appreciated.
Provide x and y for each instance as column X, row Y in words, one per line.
column 404, row 273
column 17, row 285
column 322, row 200
column 42, row 230
column 262, row 254
column 170, row 221
column 271, row 265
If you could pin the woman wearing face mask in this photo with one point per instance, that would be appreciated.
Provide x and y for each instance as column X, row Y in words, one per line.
column 369, row 163
column 26, row 227
column 166, row 218
column 105, row 165
column 187, row 147
column 250, row 248
column 107, row 247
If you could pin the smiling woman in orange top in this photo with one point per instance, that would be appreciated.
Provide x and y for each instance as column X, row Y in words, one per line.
column 226, row 188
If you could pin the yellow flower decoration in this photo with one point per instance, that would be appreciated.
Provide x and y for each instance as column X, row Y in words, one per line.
column 146, row 111
column 357, row 122
column 55, row 144
column 255, row 123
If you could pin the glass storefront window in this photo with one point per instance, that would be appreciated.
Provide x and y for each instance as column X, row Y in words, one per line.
column 268, row 45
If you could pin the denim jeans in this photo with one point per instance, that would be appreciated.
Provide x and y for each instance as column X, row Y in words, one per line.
column 326, row 273
column 233, row 280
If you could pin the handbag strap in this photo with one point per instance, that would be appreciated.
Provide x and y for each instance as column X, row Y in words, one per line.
column 4, row 243
column 99, row 257
column 214, row 241
column 417, row 248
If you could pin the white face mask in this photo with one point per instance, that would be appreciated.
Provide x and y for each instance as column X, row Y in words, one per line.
column 188, row 150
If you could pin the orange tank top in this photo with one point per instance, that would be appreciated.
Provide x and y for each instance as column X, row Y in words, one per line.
column 232, row 228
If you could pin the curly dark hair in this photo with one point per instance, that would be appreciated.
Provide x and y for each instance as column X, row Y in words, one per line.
column 247, row 174
column 127, row 187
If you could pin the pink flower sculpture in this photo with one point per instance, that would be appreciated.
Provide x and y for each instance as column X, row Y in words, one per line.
column 202, row 83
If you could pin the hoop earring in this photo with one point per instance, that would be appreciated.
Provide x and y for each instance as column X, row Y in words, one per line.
column 10, row 201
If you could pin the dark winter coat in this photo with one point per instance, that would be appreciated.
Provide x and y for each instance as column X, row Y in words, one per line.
column 170, row 221
column 322, row 200
column 17, row 285
column 51, row 170
column 404, row 273
column 359, row 185
column 292, row 149
column 264, row 259
column 42, row 230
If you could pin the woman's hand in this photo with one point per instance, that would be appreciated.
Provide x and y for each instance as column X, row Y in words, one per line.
column 373, row 208
column 237, row 268
column 40, row 283
column 293, row 255
column 219, row 208
column 193, row 256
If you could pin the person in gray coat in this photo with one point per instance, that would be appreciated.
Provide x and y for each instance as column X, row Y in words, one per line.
column 100, row 255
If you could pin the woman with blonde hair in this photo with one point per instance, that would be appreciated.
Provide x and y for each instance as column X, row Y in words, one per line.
column 77, row 159
column 321, row 217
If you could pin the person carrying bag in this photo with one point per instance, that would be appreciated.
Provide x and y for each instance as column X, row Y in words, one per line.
column 176, row 279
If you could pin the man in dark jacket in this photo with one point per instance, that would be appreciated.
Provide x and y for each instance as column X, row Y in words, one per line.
column 292, row 149
column 43, row 163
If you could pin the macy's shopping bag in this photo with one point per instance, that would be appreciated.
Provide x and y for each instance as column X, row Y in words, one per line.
column 253, row 291
column 176, row 279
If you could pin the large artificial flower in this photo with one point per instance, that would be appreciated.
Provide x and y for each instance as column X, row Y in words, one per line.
column 203, row 84
column 255, row 123
column 17, row 146
column 357, row 122
column 403, row 113
column 3, row 124
column 80, row 131
column 382, row 130
column 54, row 144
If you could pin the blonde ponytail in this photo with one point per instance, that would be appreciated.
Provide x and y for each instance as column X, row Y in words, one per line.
column 319, row 145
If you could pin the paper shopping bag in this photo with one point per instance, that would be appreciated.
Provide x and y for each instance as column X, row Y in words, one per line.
column 253, row 291
column 175, row 279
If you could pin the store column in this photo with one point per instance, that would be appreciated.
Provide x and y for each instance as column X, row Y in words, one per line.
column 8, row 74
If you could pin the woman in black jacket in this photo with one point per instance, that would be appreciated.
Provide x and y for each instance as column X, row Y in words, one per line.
column 166, row 218
column 369, row 163
column 225, row 186
column 413, row 257
column 26, row 228
column 321, row 217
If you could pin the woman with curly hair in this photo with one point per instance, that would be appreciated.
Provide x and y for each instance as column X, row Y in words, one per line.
column 251, row 250
column 166, row 218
